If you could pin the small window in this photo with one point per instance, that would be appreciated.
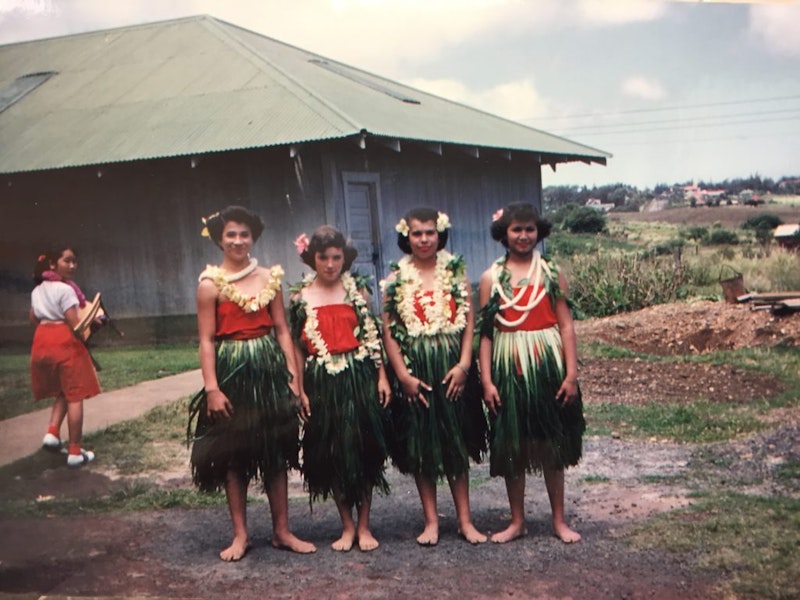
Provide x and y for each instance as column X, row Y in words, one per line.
column 363, row 80
column 21, row 87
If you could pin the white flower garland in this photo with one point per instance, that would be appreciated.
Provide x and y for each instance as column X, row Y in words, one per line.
column 436, row 308
column 369, row 343
column 536, row 269
column 248, row 304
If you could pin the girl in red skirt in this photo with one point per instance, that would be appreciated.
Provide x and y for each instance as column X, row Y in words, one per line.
column 61, row 367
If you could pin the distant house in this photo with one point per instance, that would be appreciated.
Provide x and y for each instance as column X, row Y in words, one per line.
column 120, row 140
column 598, row 204
column 788, row 236
column 697, row 196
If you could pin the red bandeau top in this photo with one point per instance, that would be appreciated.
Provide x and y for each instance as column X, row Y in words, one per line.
column 233, row 323
column 425, row 298
column 336, row 325
column 542, row 316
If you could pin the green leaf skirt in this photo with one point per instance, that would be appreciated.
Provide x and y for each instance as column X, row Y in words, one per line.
column 344, row 442
column 261, row 439
column 532, row 429
column 439, row 440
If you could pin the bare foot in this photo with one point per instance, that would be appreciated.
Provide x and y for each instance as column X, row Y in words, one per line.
column 565, row 534
column 366, row 541
column 472, row 535
column 429, row 536
column 344, row 543
column 293, row 543
column 509, row 534
column 236, row 551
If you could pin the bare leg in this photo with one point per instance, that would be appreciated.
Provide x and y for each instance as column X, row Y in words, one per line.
column 75, row 421
column 516, row 501
column 58, row 412
column 459, row 487
column 366, row 541
column 236, row 492
column 427, row 494
column 344, row 543
column 554, row 481
column 278, row 494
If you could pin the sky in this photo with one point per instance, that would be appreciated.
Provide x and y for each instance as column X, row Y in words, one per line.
column 677, row 91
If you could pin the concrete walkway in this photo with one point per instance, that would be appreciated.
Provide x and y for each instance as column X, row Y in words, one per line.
column 22, row 435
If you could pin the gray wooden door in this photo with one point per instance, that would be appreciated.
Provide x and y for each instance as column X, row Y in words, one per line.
column 362, row 219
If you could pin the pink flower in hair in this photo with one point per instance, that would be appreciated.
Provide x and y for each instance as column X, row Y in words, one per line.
column 301, row 243
column 498, row 214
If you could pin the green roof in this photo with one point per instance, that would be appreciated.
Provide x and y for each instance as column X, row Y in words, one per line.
column 196, row 85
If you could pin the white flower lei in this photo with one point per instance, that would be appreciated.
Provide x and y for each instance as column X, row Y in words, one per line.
column 248, row 304
column 437, row 309
column 369, row 343
column 536, row 270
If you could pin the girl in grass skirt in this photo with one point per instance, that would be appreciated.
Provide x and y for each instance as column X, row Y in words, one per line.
column 529, row 368
column 337, row 338
column 246, row 414
column 438, row 421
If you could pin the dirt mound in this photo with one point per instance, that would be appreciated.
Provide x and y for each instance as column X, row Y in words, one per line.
column 692, row 328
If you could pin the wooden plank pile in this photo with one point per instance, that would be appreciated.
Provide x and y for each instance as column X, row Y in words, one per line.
column 777, row 302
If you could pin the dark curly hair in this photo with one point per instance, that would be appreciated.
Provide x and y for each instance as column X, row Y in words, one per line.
column 422, row 214
column 238, row 214
column 324, row 237
column 521, row 212
column 49, row 257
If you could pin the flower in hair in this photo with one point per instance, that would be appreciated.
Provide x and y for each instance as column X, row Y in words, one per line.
column 442, row 222
column 41, row 258
column 402, row 227
column 301, row 243
column 497, row 215
column 204, row 232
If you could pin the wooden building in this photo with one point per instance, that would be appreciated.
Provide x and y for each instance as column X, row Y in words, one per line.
column 119, row 141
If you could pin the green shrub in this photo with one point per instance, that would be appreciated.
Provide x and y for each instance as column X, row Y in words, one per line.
column 695, row 233
column 719, row 237
column 585, row 220
column 604, row 284
column 767, row 221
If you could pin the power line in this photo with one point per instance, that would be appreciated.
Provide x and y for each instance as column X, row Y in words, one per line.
column 665, row 108
column 681, row 120
column 693, row 140
column 701, row 126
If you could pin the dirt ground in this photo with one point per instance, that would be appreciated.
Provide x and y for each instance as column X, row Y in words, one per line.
column 172, row 553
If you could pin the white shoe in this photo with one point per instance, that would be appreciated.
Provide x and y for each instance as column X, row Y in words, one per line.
column 51, row 442
column 78, row 460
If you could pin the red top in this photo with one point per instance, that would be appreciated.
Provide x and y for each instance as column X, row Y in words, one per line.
column 542, row 316
column 233, row 323
column 336, row 325
column 425, row 298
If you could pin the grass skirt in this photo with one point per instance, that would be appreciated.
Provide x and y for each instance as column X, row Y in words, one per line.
column 532, row 429
column 261, row 438
column 344, row 446
column 438, row 440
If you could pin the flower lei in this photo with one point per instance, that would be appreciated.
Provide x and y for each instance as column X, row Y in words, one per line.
column 449, row 282
column 248, row 304
column 501, row 283
column 369, row 342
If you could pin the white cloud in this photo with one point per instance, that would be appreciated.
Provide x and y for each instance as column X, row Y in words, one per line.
column 512, row 100
column 778, row 27
column 619, row 12
column 643, row 87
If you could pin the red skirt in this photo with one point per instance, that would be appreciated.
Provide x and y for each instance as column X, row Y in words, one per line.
column 61, row 365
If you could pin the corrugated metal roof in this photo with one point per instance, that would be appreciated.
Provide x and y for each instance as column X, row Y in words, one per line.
column 198, row 85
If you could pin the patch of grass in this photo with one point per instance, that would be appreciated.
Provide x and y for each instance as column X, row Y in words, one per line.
column 132, row 497
column 789, row 474
column 698, row 422
column 595, row 479
column 753, row 539
column 121, row 367
column 601, row 350
column 656, row 479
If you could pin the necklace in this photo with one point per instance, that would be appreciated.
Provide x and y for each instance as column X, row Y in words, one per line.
column 224, row 282
column 369, row 343
column 536, row 268
column 436, row 309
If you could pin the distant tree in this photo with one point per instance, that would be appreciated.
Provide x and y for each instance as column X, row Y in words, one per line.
column 585, row 220
column 767, row 220
column 720, row 237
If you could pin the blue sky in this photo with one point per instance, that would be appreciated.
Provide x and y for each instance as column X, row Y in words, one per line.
column 676, row 91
